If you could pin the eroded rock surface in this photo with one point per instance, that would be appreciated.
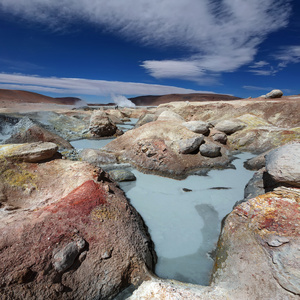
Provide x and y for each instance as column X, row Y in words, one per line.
column 283, row 164
column 67, row 232
column 157, row 147
column 29, row 152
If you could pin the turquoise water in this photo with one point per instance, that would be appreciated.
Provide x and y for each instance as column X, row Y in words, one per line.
column 185, row 226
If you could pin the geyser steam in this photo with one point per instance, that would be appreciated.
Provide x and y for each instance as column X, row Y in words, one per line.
column 122, row 101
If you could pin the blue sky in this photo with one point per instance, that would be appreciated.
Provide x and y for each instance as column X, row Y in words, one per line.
column 94, row 49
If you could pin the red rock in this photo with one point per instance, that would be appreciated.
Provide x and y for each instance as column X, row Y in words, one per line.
column 54, row 207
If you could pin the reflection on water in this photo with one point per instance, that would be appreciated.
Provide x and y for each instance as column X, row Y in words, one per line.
column 185, row 225
column 90, row 144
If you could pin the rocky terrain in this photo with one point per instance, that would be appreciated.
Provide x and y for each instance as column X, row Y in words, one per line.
column 68, row 231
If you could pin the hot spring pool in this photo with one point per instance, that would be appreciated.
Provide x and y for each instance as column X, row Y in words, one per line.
column 185, row 225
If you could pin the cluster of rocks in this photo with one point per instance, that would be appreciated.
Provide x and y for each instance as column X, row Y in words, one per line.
column 258, row 250
column 68, row 232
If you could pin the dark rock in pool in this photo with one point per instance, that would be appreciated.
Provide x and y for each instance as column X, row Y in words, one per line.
column 187, row 190
column 122, row 175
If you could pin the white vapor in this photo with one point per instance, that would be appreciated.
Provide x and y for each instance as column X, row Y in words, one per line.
column 122, row 101
column 86, row 86
column 218, row 35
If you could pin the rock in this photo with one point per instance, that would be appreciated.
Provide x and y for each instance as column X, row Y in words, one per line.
column 30, row 152
column 256, row 162
column 145, row 119
column 64, row 258
column 259, row 140
column 197, row 126
column 72, row 234
column 190, row 145
column 259, row 241
column 255, row 186
column 122, row 175
column 210, row 150
column 230, row 126
column 26, row 131
column 169, row 115
column 219, row 137
column 97, row 157
column 69, row 125
column 153, row 148
column 283, row 164
column 274, row 94
column 101, row 126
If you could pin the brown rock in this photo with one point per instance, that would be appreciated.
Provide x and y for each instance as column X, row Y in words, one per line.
column 154, row 147
column 30, row 152
column 72, row 233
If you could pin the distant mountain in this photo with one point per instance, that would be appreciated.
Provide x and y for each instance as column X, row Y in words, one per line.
column 17, row 96
column 156, row 100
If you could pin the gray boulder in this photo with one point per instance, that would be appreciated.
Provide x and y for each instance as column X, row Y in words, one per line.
column 230, row 126
column 274, row 94
column 256, row 162
column 190, row 145
column 283, row 164
column 64, row 258
column 210, row 150
column 197, row 126
column 220, row 137
column 122, row 175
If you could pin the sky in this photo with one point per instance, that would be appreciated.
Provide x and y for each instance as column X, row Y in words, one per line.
column 98, row 49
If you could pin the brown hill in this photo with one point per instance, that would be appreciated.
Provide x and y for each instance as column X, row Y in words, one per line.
column 156, row 100
column 15, row 96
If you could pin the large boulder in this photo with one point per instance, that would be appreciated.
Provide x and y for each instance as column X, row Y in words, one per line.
column 149, row 117
column 230, row 126
column 197, row 126
column 169, row 115
column 122, row 175
column 190, row 145
column 283, row 164
column 97, row 157
column 101, row 125
column 155, row 147
column 210, row 150
column 26, row 131
column 68, row 232
column 30, row 152
column 274, row 94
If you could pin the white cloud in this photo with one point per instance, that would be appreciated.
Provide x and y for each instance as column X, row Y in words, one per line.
column 287, row 55
column 259, row 64
column 79, row 86
column 255, row 88
column 219, row 36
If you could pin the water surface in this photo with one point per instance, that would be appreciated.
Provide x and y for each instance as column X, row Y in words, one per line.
column 185, row 225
